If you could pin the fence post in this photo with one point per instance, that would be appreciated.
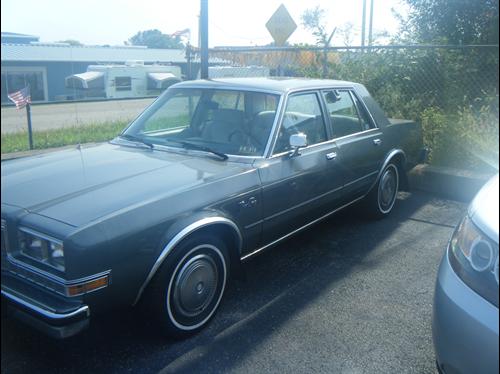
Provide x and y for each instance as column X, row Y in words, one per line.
column 325, row 62
column 30, row 132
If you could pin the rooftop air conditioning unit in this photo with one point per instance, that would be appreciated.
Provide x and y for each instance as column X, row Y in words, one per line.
column 134, row 63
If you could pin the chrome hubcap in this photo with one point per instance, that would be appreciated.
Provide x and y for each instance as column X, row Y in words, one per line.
column 195, row 285
column 388, row 189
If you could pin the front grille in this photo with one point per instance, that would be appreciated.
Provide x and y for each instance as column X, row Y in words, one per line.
column 38, row 279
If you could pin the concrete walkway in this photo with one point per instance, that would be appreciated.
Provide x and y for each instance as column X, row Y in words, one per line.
column 53, row 116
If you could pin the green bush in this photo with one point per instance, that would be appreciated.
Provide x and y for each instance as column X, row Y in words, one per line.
column 466, row 139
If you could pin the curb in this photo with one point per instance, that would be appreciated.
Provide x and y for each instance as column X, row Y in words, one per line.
column 455, row 184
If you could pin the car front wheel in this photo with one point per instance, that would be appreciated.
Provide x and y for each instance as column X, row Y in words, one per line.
column 187, row 292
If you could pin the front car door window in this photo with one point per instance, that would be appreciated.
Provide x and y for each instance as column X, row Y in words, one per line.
column 302, row 115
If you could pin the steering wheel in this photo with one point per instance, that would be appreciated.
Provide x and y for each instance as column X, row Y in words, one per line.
column 248, row 138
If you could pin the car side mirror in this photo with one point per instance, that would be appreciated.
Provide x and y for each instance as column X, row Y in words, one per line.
column 297, row 141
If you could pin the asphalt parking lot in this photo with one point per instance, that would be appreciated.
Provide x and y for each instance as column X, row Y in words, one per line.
column 348, row 296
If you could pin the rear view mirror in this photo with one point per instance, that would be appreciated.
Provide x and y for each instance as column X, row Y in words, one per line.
column 297, row 141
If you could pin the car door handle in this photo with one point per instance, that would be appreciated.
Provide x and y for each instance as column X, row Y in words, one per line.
column 377, row 141
column 331, row 156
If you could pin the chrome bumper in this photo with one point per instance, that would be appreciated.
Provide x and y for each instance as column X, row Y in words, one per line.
column 57, row 325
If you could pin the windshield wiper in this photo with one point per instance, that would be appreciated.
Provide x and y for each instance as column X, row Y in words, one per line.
column 137, row 140
column 194, row 146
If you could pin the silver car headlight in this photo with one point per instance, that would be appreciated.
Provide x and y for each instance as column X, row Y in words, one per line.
column 42, row 248
column 474, row 257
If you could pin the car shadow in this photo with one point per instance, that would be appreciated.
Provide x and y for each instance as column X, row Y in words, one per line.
column 279, row 284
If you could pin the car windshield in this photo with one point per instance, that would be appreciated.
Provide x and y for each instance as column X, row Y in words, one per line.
column 221, row 121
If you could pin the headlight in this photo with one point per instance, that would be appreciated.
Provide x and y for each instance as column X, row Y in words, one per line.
column 474, row 257
column 41, row 248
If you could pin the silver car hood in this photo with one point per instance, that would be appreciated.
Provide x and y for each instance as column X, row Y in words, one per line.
column 484, row 209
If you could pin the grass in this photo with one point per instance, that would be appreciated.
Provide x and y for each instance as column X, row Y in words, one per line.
column 96, row 132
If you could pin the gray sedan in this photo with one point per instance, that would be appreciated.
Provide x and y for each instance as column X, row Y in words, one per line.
column 211, row 174
column 465, row 323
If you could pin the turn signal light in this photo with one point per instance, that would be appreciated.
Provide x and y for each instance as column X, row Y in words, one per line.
column 81, row 288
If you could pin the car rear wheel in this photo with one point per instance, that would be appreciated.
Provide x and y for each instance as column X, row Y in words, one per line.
column 187, row 292
column 382, row 197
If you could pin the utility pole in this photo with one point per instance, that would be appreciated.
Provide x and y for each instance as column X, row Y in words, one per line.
column 204, row 38
column 363, row 24
column 370, row 27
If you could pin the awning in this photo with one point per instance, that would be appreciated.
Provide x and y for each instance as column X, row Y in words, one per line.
column 90, row 79
column 161, row 81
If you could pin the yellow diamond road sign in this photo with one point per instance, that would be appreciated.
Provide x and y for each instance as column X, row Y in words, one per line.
column 281, row 25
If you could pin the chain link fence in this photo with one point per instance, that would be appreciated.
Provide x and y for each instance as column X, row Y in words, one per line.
column 404, row 79
column 451, row 90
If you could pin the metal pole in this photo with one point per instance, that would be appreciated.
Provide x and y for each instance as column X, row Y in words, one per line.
column 363, row 24
column 188, row 59
column 30, row 132
column 204, row 38
column 370, row 27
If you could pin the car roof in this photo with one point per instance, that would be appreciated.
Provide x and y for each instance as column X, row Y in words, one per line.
column 276, row 84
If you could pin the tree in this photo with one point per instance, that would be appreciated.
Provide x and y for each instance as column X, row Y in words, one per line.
column 72, row 42
column 312, row 20
column 453, row 21
column 156, row 39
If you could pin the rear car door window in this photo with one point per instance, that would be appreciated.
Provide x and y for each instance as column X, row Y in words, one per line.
column 347, row 116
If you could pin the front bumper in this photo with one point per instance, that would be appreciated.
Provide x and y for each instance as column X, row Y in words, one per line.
column 55, row 316
column 464, row 326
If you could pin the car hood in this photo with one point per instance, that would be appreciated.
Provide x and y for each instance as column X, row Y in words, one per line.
column 484, row 209
column 81, row 185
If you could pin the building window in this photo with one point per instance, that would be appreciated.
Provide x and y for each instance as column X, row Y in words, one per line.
column 123, row 83
column 13, row 81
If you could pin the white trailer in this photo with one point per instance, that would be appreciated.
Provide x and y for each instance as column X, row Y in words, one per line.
column 134, row 79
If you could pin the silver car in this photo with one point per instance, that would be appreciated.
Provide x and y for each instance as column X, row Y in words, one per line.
column 465, row 320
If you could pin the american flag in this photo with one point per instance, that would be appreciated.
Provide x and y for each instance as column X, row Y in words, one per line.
column 21, row 97
column 180, row 32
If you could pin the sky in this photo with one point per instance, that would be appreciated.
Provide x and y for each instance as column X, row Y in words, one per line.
column 231, row 22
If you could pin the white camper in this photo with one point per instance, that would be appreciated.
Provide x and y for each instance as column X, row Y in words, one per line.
column 134, row 79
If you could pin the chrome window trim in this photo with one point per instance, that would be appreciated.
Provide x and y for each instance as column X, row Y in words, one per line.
column 375, row 129
column 179, row 237
column 332, row 141
column 312, row 146
column 46, row 313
